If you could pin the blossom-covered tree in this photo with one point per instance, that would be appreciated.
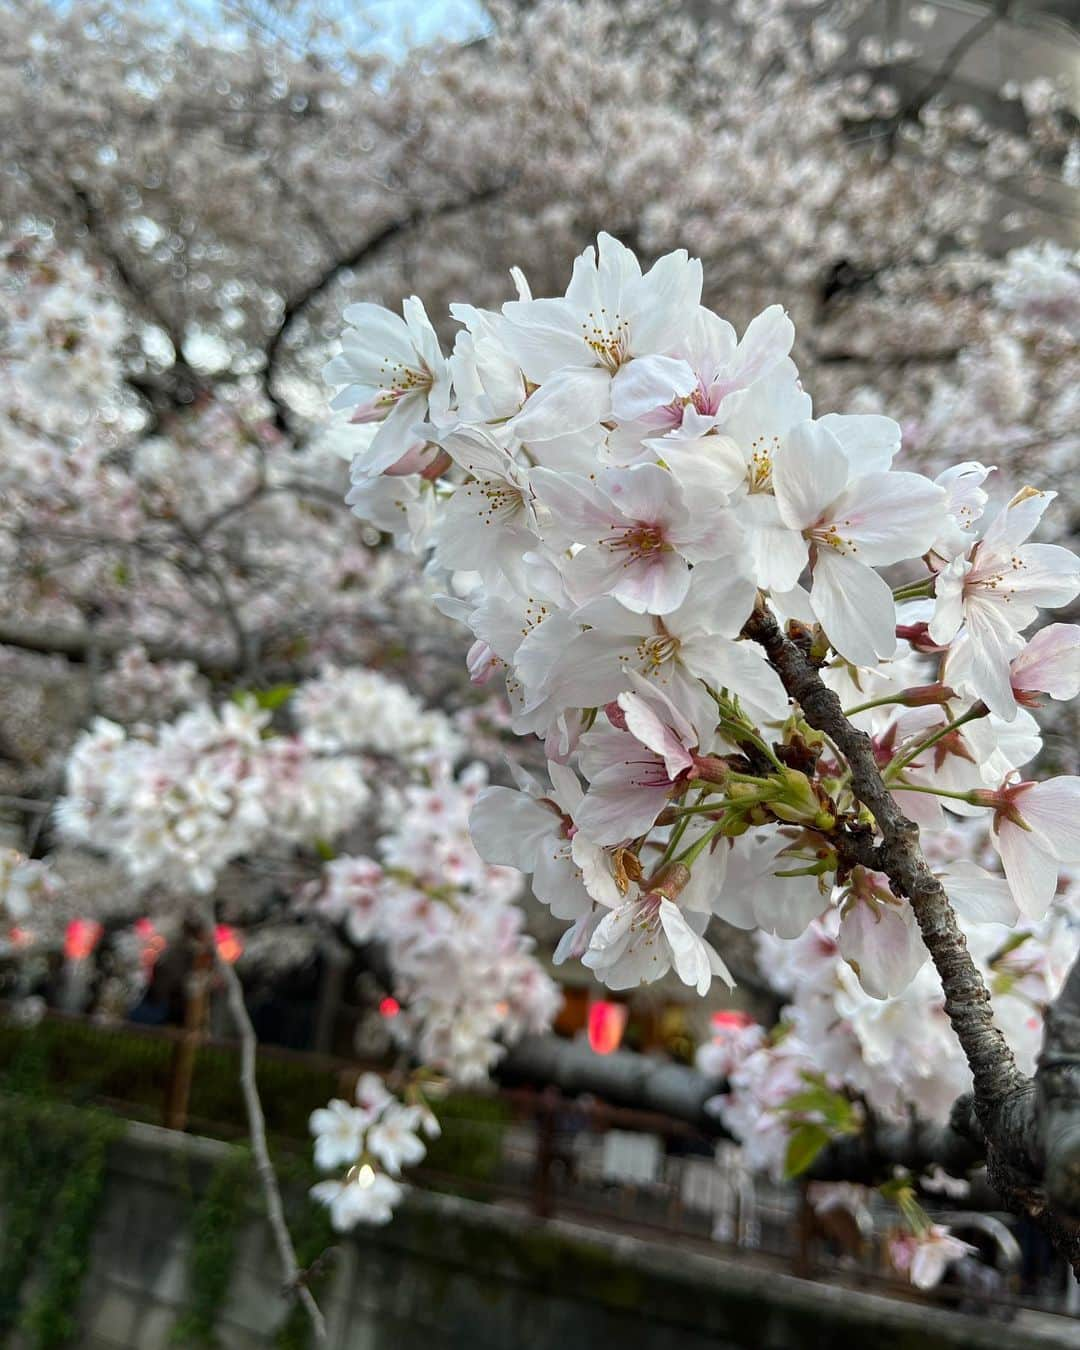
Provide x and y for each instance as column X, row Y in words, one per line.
column 680, row 560
column 743, row 718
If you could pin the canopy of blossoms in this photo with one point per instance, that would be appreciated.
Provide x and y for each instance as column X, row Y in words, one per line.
column 658, row 504
column 653, row 490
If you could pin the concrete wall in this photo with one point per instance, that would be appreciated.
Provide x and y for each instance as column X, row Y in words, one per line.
column 452, row 1273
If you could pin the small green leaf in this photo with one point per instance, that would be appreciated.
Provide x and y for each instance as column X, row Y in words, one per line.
column 275, row 696
column 805, row 1144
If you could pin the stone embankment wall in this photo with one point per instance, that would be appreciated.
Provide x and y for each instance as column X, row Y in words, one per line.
column 451, row 1273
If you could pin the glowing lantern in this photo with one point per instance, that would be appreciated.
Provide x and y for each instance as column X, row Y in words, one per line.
column 230, row 948
column 389, row 1007
column 81, row 937
column 607, row 1022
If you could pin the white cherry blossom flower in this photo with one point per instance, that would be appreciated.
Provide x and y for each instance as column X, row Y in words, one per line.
column 646, row 936
column 598, row 352
column 1036, row 828
column 848, row 526
column 535, row 831
column 879, row 937
column 639, row 534
column 995, row 591
column 393, row 1139
column 633, row 765
column 339, row 1133
column 365, row 1196
column 393, row 373
column 753, row 896
column 685, row 652
column 924, row 1258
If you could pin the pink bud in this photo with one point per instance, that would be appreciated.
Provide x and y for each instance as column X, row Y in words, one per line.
column 615, row 715
column 918, row 635
column 925, row 695
column 481, row 662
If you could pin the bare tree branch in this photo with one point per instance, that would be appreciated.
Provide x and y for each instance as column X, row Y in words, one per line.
column 76, row 645
column 275, row 1209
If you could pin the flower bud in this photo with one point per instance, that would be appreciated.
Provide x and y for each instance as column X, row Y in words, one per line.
column 918, row 636
column 796, row 802
column 615, row 715
column 926, row 695
column 710, row 768
column 668, row 883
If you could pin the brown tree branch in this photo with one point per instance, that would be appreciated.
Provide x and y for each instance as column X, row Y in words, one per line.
column 78, row 645
column 1058, row 1096
column 356, row 256
column 900, row 857
column 1030, row 1129
column 275, row 1209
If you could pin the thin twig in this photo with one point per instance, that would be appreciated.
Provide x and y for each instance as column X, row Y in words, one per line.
column 275, row 1209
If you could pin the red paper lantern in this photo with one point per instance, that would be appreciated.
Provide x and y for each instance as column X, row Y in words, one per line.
column 607, row 1022
column 81, row 937
column 229, row 944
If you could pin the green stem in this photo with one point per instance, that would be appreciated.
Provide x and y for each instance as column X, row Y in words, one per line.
column 690, row 855
column 972, row 715
column 934, row 792
column 683, row 811
column 677, row 832
column 873, row 703
column 915, row 590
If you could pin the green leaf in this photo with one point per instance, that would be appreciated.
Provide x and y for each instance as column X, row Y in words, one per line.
column 272, row 698
column 818, row 1099
column 805, row 1144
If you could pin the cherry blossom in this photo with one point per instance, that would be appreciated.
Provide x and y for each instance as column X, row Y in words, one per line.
column 996, row 590
column 598, row 351
column 925, row 1257
column 637, row 519
column 393, row 373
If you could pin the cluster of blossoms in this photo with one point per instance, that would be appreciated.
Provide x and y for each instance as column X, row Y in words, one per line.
column 358, row 709
column 375, row 1139
column 460, row 965
column 177, row 804
column 645, row 481
column 62, row 331
column 650, row 488
column 899, row 1053
column 138, row 689
column 26, row 885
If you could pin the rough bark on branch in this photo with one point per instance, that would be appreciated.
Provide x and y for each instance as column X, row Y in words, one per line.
column 1031, row 1129
column 1057, row 1082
